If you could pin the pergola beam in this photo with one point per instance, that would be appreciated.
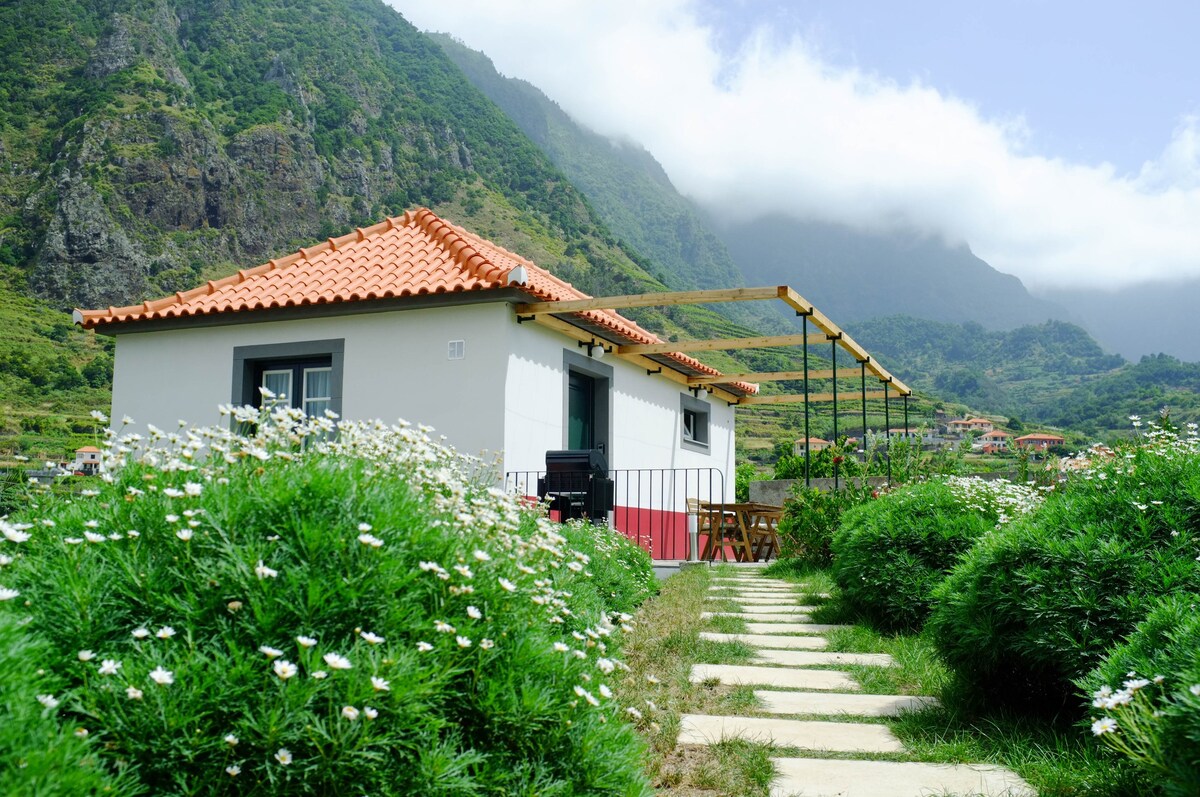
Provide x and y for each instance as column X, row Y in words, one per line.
column 664, row 299
column 666, row 371
column 719, row 344
column 813, row 398
column 773, row 376
column 826, row 325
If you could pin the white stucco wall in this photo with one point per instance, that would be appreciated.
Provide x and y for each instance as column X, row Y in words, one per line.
column 506, row 394
column 396, row 366
column 646, row 425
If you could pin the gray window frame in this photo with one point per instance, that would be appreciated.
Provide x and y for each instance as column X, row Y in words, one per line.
column 703, row 412
column 245, row 358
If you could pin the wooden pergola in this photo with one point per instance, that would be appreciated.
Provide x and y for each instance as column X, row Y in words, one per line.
column 566, row 317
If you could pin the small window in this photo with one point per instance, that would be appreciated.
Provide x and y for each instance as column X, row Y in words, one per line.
column 456, row 350
column 306, row 375
column 694, row 417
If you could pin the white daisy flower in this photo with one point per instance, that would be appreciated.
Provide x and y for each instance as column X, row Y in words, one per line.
column 285, row 669
column 162, row 677
column 379, row 684
column 337, row 662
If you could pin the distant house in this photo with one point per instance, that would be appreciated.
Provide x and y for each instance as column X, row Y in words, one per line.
column 1039, row 441
column 993, row 441
column 809, row 444
column 905, row 434
column 414, row 318
column 965, row 425
column 87, row 460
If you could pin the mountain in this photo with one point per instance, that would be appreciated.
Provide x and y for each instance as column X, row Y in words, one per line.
column 148, row 145
column 626, row 185
column 855, row 275
column 1140, row 319
column 1053, row 373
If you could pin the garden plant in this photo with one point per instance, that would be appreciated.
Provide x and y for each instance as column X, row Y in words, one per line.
column 319, row 607
column 890, row 553
column 1032, row 608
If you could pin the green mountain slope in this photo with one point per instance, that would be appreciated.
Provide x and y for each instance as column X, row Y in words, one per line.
column 856, row 275
column 1053, row 373
column 152, row 144
column 628, row 188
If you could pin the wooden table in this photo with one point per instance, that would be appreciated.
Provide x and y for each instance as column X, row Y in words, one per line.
column 753, row 529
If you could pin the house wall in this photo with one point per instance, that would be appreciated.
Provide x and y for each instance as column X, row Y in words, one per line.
column 646, row 419
column 395, row 366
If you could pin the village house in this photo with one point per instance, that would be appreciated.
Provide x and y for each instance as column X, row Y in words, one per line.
column 419, row 319
column 965, row 426
column 87, row 460
column 809, row 444
column 413, row 318
column 992, row 442
column 1039, row 441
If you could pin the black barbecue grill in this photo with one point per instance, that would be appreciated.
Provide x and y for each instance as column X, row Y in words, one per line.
column 577, row 484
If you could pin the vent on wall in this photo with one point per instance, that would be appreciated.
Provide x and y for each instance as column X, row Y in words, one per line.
column 456, row 350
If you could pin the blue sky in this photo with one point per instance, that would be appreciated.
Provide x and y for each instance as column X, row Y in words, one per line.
column 1095, row 82
column 1060, row 140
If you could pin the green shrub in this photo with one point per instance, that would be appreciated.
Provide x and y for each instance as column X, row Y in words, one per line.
column 292, row 615
column 890, row 553
column 810, row 518
column 1146, row 696
column 1032, row 608
column 39, row 755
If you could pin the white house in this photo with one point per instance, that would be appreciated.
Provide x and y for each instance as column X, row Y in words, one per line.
column 87, row 460
column 414, row 318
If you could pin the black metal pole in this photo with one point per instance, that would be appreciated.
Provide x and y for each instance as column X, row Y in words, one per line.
column 836, row 447
column 887, row 423
column 807, row 436
column 863, row 383
column 905, row 416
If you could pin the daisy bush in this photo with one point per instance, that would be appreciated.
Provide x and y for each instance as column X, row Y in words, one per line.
column 890, row 553
column 324, row 607
column 1146, row 696
column 1034, row 607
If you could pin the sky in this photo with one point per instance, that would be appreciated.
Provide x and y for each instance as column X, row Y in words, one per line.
column 1059, row 139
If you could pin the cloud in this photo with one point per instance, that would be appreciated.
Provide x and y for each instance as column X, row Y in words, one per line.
column 770, row 127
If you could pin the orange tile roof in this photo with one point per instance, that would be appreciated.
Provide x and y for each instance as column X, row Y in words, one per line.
column 411, row 255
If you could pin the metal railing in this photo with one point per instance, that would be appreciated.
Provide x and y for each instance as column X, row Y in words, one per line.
column 650, row 505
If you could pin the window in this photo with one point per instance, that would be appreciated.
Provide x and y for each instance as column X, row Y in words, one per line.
column 456, row 350
column 308, row 374
column 303, row 384
column 694, row 416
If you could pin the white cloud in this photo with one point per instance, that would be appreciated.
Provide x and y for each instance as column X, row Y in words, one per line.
column 773, row 128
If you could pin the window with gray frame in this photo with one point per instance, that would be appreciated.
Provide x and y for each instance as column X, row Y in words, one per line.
column 307, row 373
column 693, row 423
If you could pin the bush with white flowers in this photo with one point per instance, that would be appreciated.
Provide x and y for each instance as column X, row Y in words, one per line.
column 1146, row 696
column 1034, row 607
column 323, row 607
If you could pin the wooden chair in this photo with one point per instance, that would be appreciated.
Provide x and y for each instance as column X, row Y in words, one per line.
column 719, row 528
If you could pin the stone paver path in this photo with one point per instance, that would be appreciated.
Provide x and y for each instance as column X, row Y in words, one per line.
column 787, row 649
column 761, row 618
column 761, row 641
column 835, row 737
column 792, row 628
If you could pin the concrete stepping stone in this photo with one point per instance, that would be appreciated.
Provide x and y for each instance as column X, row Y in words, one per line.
column 773, row 642
column 831, row 703
column 761, row 618
column 792, row 628
column 776, row 608
column 753, row 593
column 840, row 737
column 760, row 600
column 734, row 674
column 815, row 777
column 770, row 582
column 796, row 658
